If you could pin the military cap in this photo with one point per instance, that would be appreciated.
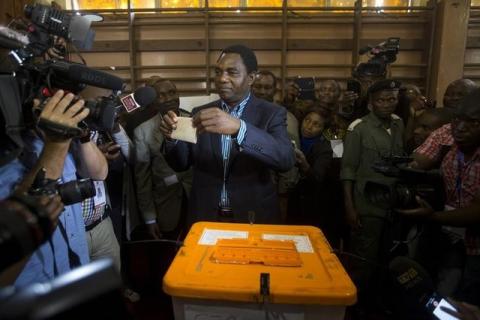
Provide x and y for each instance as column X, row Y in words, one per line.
column 387, row 84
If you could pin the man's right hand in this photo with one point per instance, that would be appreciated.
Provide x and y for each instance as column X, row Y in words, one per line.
column 153, row 230
column 59, row 111
column 348, row 98
column 168, row 124
column 353, row 220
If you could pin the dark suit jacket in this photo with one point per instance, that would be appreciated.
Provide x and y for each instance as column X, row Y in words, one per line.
column 266, row 147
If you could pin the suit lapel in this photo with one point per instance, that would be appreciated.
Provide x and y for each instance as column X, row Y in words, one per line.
column 216, row 144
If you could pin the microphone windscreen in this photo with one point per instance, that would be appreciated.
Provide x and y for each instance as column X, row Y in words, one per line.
column 145, row 95
column 84, row 74
column 412, row 280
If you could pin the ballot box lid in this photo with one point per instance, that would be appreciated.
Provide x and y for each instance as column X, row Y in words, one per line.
column 225, row 261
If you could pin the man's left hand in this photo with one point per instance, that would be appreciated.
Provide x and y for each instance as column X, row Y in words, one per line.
column 215, row 120
column 424, row 210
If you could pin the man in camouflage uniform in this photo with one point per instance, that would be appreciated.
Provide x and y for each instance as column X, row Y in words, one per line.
column 369, row 139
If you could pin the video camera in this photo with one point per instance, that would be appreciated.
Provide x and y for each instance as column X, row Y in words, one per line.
column 35, row 79
column 410, row 183
column 382, row 55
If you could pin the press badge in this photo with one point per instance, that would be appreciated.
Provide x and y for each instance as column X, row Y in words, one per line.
column 100, row 198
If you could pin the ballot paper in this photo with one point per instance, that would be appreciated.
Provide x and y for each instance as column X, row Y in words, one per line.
column 185, row 130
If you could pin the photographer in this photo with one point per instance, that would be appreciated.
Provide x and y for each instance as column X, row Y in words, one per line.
column 376, row 135
column 67, row 247
column 461, row 172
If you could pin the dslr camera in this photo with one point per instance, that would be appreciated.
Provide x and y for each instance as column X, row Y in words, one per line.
column 409, row 184
column 71, row 192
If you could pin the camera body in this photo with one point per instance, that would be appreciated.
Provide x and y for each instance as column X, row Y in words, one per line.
column 410, row 183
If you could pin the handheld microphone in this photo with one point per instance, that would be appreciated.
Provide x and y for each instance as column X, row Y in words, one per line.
column 411, row 279
column 103, row 113
column 142, row 97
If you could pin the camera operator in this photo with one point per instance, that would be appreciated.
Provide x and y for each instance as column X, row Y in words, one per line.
column 430, row 154
column 461, row 174
column 67, row 247
column 376, row 135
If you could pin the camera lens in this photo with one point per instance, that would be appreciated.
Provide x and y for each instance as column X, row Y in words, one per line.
column 76, row 191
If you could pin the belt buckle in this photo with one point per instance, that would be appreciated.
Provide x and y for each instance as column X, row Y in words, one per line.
column 225, row 213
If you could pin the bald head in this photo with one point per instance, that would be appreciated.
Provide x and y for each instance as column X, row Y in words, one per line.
column 456, row 91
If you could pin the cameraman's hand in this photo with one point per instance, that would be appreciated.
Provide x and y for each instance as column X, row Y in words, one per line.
column 352, row 219
column 168, row 124
column 424, row 209
column 57, row 50
column 57, row 109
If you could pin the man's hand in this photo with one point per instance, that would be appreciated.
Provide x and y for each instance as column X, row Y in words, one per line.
column 215, row 120
column 424, row 210
column 168, row 124
column 110, row 150
column 292, row 92
column 57, row 51
column 352, row 218
column 57, row 110
column 464, row 311
column 302, row 162
column 348, row 98
column 153, row 230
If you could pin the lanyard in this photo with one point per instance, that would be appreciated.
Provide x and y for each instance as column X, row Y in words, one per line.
column 462, row 168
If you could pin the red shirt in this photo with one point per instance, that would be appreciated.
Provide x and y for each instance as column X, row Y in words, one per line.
column 467, row 176
column 436, row 142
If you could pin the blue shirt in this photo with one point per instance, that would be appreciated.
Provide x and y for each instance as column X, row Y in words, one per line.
column 226, row 141
column 40, row 266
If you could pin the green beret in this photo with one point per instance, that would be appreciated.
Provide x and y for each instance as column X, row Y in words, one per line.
column 387, row 84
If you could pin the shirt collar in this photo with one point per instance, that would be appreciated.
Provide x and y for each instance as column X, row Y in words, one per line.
column 377, row 122
column 241, row 105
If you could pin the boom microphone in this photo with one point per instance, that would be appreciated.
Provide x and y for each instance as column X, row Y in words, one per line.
column 11, row 39
column 82, row 74
column 142, row 97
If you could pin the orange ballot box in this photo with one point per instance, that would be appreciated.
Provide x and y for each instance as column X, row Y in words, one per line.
column 249, row 272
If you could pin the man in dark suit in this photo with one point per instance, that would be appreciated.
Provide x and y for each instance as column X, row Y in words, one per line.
column 240, row 139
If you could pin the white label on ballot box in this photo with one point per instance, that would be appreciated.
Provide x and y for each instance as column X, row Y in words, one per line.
column 210, row 236
column 302, row 243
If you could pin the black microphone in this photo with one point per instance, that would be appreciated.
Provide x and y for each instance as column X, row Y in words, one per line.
column 83, row 74
column 412, row 281
column 145, row 95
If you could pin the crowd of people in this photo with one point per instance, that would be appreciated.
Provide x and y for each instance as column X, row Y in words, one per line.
column 260, row 158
